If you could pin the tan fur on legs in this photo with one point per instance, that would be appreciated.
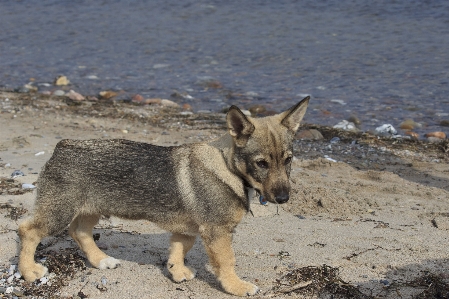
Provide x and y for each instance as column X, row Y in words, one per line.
column 30, row 235
column 179, row 246
column 81, row 231
column 221, row 256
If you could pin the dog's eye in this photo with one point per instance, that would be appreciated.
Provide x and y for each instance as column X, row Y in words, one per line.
column 262, row 164
column 288, row 160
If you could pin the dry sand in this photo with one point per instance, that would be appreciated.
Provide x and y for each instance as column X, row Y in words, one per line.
column 380, row 214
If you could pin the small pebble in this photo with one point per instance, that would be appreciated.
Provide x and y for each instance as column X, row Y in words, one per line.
column 61, row 80
column 335, row 140
column 386, row 129
column 10, row 279
column 73, row 95
column 311, row 134
column 246, row 112
column 346, row 126
column 137, row 98
column 384, row 282
column 168, row 103
column 43, row 280
column 154, row 101
column 409, row 124
column 59, row 93
column 354, row 119
column 28, row 186
column 414, row 135
column 440, row 135
column 107, row 94
column 256, row 109
column 329, row 158
column 16, row 174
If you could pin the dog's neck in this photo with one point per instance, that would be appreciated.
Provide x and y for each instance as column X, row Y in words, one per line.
column 225, row 144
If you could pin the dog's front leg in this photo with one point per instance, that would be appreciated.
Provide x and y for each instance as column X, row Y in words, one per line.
column 218, row 244
column 179, row 246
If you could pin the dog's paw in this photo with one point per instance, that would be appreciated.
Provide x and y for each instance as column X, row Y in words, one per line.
column 109, row 263
column 33, row 272
column 242, row 288
column 181, row 273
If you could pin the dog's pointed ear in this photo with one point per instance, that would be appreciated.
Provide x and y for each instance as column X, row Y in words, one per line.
column 293, row 116
column 240, row 128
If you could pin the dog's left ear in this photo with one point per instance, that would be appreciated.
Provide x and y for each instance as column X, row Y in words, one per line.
column 293, row 116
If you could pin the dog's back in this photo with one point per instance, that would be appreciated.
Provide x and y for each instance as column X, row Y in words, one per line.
column 137, row 181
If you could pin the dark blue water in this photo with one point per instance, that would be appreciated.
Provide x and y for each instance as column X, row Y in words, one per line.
column 386, row 60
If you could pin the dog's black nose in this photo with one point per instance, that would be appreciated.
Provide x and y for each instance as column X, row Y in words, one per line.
column 282, row 198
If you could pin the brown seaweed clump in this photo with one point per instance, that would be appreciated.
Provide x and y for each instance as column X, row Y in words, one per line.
column 317, row 282
column 64, row 263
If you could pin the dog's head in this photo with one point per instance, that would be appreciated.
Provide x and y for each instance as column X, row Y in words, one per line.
column 263, row 149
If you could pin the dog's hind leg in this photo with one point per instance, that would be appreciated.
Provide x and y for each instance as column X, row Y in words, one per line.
column 81, row 231
column 31, row 233
column 218, row 244
column 179, row 246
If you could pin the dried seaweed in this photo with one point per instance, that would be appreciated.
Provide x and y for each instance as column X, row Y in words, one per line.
column 317, row 282
column 13, row 212
column 64, row 264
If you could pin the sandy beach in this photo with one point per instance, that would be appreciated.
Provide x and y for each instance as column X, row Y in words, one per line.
column 376, row 209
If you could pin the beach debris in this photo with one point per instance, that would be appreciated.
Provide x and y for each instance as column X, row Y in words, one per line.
column 16, row 174
column 39, row 153
column 62, row 265
column 92, row 77
column 346, row 126
column 315, row 281
column 73, row 95
column 386, row 129
column 61, row 80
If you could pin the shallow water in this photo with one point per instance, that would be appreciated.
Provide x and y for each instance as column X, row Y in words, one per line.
column 385, row 61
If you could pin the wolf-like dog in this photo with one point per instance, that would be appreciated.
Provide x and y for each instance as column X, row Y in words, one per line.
column 189, row 190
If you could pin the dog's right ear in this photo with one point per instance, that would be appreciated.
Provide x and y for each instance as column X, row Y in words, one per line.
column 240, row 128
